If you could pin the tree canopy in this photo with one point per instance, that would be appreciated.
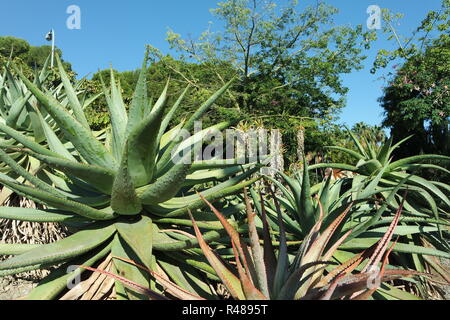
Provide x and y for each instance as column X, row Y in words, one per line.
column 417, row 100
column 26, row 55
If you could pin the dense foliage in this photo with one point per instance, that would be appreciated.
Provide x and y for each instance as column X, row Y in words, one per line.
column 418, row 102
column 353, row 210
column 417, row 99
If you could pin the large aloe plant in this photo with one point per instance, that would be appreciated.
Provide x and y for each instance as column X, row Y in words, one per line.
column 368, row 218
column 113, row 193
column 425, row 197
column 261, row 273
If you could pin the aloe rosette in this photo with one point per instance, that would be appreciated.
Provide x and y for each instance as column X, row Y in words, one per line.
column 116, row 195
column 302, row 204
column 19, row 110
column 425, row 198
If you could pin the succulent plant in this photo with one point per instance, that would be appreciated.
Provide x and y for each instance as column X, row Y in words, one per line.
column 19, row 110
column 425, row 198
column 259, row 273
column 116, row 193
column 372, row 211
column 310, row 274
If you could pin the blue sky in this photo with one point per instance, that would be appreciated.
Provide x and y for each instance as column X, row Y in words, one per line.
column 115, row 32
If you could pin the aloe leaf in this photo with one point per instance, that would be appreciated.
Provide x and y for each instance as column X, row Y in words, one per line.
column 71, row 95
column 52, row 285
column 118, row 116
column 60, row 203
column 15, row 91
column 316, row 249
column 124, row 199
column 355, row 283
column 35, row 215
column 389, row 291
column 35, row 124
column 372, row 185
column 416, row 166
column 186, row 146
column 358, row 144
column 370, row 291
column 196, row 116
column 281, row 271
column 204, row 176
column 221, row 187
column 413, row 219
column 367, row 224
column 324, row 198
column 27, row 175
column 400, row 231
column 305, row 198
column 369, row 167
column 101, row 178
column 53, row 141
column 139, row 291
column 391, row 150
column 270, row 260
column 21, row 138
column 16, row 110
column 120, row 248
column 14, row 249
column 167, row 186
column 240, row 246
column 139, row 236
column 170, row 286
column 416, row 180
column 361, row 243
column 231, row 282
column 140, row 99
column 284, row 190
column 415, row 159
column 345, row 268
column 250, row 291
column 384, row 242
column 81, row 137
column 257, row 252
column 143, row 144
column 296, row 190
column 197, row 204
column 216, row 164
column 371, row 149
column 383, row 155
column 186, row 278
column 163, row 242
column 167, row 137
column 168, row 117
column 75, row 245
column 340, row 166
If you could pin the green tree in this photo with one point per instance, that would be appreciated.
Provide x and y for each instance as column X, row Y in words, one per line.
column 13, row 46
column 157, row 73
column 289, row 60
column 417, row 99
column 27, row 56
column 36, row 56
column 418, row 102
